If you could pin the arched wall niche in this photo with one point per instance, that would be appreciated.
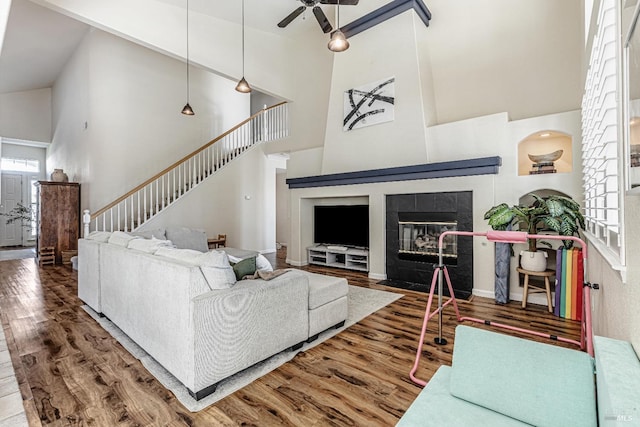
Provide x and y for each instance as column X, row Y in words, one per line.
column 535, row 153
column 527, row 199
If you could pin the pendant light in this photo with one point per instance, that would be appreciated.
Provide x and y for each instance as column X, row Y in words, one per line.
column 338, row 42
column 243, row 86
column 187, row 110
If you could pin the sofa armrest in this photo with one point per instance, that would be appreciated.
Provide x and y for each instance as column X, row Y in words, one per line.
column 89, row 273
column 618, row 379
column 238, row 327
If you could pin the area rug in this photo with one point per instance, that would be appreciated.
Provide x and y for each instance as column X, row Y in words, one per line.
column 362, row 303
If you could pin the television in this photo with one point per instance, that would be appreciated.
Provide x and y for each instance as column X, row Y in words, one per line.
column 346, row 225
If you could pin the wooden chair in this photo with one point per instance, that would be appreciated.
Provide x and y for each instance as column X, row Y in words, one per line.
column 532, row 289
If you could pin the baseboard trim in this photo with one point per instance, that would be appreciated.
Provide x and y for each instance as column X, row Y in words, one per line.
column 377, row 276
column 295, row 263
column 539, row 299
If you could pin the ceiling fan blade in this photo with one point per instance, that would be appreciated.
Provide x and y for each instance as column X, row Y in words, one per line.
column 342, row 2
column 293, row 15
column 322, row 19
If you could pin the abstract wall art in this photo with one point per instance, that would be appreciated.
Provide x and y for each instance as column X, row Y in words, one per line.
column 369, row 104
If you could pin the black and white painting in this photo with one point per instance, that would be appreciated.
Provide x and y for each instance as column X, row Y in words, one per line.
column 369, row 104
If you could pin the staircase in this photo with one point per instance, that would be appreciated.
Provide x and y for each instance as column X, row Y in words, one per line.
column 148, row 199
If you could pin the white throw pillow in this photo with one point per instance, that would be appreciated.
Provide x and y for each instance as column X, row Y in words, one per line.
column 121, row 238
column 99, row 236
column 263, row 264
column 219, row 277
column 214, row 265
column 149, row 246
column 216, row 269
column 214, row 259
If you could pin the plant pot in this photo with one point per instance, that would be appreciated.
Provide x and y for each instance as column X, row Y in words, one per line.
column 533, row 261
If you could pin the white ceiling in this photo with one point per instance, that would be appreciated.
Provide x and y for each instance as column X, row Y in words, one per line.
column 38, row 42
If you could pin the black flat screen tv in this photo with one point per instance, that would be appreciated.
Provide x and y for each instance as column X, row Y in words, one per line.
column 346, row 225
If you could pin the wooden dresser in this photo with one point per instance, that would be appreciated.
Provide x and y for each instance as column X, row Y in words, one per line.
column 58, row 222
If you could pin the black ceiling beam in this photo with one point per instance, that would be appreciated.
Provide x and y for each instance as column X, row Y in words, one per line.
column 385, row 12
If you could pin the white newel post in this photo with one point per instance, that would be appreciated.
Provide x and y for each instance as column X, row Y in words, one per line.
column 86, row 220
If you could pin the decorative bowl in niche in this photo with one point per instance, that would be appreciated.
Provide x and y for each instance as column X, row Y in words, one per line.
column 549, row 157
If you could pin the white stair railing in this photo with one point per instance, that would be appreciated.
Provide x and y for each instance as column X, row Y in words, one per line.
column 148, row 199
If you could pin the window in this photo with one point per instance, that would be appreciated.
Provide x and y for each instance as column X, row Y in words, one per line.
column 600, row 137
column 34, row 205
column 19, row 165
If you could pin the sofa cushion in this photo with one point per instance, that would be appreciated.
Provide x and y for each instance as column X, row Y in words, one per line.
column 540, row 384
column 246, row 267
column 324, row 289
column 189, row 256
column 436, row 407
column 158, row 233
column 188, row 238
column 217, row 270
column 99, row 236
column 121, row 238
column 149, row 245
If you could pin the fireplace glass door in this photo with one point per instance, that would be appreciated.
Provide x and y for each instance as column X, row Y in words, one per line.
column 419, row 241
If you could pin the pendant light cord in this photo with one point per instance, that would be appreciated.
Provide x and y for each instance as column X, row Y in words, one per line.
column 242, row 38
column 187, row 51
column 338, row 24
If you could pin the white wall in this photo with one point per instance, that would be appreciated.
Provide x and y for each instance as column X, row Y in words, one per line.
column 130, row 99
column 615, row 305
column 288, row 68
column 492, row 135
column 26, row 115
column 239, row 201
column 489, row 56
column 375, row 56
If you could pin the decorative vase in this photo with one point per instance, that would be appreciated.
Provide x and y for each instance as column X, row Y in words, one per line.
column 533, row 261
column 59, row 176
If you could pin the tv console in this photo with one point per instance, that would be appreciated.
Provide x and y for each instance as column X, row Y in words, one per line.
column 339, row 256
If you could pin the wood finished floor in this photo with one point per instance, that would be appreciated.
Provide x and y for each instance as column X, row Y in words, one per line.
column 72, row 373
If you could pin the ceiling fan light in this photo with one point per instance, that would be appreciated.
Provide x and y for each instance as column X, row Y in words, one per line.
column 338, row 42
column 243, row 86
column 187, row 110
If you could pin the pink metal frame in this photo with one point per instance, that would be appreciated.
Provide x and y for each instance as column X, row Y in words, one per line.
column 585, row 342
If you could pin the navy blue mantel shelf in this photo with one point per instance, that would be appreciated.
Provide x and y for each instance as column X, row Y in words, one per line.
column 479, row 166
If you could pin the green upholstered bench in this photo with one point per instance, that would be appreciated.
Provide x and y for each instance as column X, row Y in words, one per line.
column 499, row 380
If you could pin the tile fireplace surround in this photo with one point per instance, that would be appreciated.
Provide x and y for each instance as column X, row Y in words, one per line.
column 415, row 271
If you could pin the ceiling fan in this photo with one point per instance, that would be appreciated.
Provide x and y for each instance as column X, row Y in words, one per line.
column 317, row 11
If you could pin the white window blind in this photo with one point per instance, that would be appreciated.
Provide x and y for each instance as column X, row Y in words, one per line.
column 601, row 177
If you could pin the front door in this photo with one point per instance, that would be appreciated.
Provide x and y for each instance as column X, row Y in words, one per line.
column 11, row 195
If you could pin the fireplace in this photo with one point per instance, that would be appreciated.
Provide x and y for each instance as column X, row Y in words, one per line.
column 414, row 223
column 418, row 239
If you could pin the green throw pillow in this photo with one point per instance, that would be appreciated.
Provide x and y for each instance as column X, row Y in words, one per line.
column 246, row 267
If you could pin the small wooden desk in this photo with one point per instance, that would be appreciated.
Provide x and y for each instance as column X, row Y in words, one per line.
column 534, row 289
column 220, row 241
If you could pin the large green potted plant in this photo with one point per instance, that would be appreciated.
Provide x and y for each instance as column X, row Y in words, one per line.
column 556, row 213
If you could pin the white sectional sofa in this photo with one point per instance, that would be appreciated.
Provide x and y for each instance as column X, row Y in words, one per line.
column 194, row 319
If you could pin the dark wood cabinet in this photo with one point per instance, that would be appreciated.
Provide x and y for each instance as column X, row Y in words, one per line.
column 58, row 223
